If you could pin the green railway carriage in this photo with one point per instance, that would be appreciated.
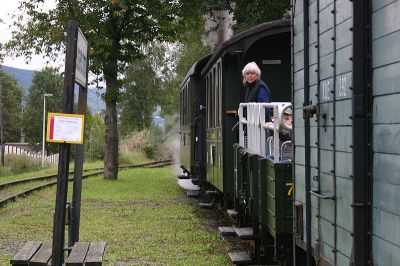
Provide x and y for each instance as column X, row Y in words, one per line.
column 192, row 122
column 269, row 46
column 244, row 180
column 270, row 207
column 264, row 185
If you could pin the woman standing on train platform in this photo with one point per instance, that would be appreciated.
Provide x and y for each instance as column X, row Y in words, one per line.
column 256, row 89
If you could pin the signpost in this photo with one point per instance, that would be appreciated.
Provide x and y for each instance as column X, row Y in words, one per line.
column 67, row 128
column 81, row 59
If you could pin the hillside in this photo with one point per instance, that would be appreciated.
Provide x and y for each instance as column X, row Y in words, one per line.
column 23, row 77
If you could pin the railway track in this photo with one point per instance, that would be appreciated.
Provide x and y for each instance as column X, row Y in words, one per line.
column 11, row 191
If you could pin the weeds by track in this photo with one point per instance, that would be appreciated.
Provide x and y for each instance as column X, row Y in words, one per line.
column 8, row 191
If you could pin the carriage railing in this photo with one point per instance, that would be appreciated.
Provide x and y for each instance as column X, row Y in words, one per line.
column 260, row 136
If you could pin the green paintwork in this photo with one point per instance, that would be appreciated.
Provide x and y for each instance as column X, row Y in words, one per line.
column 279, row 211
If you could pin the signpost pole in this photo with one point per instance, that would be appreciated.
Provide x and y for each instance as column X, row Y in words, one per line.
column 63, row 163
column 79, row 157
column 81, row 68
column 77, row 188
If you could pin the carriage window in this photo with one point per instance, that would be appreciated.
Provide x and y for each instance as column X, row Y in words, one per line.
column 181, row 108
column 187, row 104
column 212, row 154
column 219, row 73
column 184, row 106
column 216, row 103
column 212, row 115
column 208, row 101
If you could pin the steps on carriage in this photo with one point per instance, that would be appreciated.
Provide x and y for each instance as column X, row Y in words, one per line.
column 232, row 213
column 245, row 233
column 226, row 230
column 241, row 258
column 193, row 193
column 206, row 205
column 212, row 193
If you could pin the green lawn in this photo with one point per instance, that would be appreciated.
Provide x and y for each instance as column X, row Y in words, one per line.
column 144, row 217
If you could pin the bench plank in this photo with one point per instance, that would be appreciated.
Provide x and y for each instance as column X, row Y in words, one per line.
column 26, row 253
column 42, row 257
column 94, row 256
column 78, row 254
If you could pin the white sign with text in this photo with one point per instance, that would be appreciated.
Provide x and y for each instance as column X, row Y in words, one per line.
column 81, row 59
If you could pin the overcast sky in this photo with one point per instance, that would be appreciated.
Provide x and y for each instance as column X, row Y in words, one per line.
column 8, row 7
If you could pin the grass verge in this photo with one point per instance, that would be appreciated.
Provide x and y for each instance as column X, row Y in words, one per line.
column 144, row 217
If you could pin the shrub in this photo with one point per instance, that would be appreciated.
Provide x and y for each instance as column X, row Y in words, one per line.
column 142, row 145
column 16, row 164
column 131, row 148
column 95, row 144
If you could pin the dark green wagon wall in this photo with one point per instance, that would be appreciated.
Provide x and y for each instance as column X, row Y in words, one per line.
column 272, row 55
column 269, row 46
column 232, row 95
column 192, row 121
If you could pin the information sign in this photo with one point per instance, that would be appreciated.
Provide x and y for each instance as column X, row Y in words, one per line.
column 81, row 59
column 65, row 128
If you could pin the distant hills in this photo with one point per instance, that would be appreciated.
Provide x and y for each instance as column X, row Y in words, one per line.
column 95, row 100
column 23, row 76
column 24, row 79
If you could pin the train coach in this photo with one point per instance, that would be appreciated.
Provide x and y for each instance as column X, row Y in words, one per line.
column 346, row 75
column 220, row 81
column 192, row 122
column 217, row 86
column 269, row 46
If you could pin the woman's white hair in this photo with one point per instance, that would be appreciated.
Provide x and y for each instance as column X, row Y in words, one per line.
column 251, row 68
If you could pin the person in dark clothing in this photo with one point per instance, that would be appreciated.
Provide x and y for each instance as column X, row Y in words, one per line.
column 256, row 89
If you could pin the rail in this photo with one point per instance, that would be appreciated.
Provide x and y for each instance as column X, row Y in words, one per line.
column 96, row 172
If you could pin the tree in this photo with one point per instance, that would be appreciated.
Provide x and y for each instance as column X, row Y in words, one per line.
column 141, row 97
column 247, row 14
column 94, row 136
column 12, row 108
column 116, row 31
column 251, row 13
column 190, row 48
column 48, row 80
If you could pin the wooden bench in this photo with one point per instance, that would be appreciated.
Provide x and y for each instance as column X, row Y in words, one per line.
column 39, row 253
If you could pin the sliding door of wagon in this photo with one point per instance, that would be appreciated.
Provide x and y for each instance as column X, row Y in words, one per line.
column 333, row 159
column 326, row 92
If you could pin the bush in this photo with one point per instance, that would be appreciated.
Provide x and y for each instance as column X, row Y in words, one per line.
column 141, row 146
column 95, row 144
column 154, row 142
column 16, row 164
column 131, row 148
column 5, row 171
